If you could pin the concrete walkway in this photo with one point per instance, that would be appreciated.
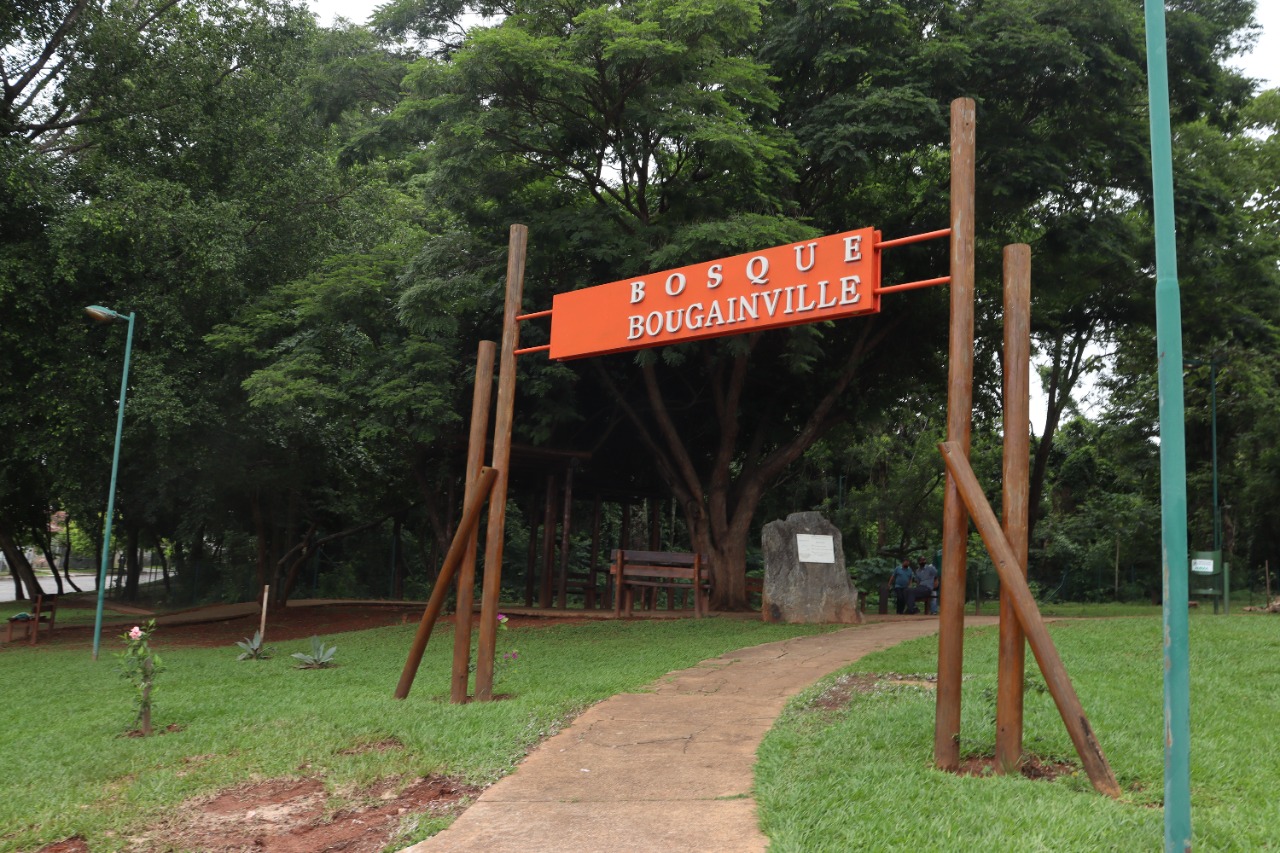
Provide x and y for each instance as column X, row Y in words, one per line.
column 666, row 771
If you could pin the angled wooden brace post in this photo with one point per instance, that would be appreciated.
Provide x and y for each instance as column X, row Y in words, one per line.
column 1024, row 605
column 461, row 538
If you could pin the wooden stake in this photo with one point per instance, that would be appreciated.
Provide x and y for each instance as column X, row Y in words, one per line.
column 516, row 248
column 262, row 629
column 480, row 400
column 1024, row 605
column 1015, row 512
column 955, row 524
column 470, row 517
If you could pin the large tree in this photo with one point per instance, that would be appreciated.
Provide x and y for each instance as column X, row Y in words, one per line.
column 641, row 135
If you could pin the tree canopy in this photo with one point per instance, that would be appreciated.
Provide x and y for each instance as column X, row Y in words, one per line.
column 310, row 224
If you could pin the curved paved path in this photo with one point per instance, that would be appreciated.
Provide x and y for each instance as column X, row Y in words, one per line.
column 666, row 771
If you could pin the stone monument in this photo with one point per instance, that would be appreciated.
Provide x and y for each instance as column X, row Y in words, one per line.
column 805, row 580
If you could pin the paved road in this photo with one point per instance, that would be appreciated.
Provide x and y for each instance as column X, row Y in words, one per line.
column 87, row 583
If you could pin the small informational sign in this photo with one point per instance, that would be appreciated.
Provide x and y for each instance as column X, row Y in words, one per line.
column 826, row 278
column 816, row 549
column 1202, row 567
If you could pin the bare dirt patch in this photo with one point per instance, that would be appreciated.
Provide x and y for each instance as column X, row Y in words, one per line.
column 837, row 696
column 291, row 623
column 1033, row 767
column 300, row 816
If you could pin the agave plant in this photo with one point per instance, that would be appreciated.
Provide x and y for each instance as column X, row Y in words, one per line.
column 320, row 657
column 253, row 648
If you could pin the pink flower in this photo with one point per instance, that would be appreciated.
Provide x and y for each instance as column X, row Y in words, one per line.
column 502, row 620
column 135, row 633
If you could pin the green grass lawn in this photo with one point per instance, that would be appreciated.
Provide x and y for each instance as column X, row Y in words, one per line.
column 69, row 770
column 848, row 779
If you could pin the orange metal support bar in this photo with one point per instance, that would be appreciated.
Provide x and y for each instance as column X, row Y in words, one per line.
column 915, row 285
column 533, row 316
column 470, row 517
column 914, row 238
column 528, row 350
column 1024, row 605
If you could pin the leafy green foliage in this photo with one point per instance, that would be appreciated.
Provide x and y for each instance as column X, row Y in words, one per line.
column 252, row 648
column 320, row 656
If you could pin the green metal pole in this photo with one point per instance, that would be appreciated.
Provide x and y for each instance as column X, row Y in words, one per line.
column 1173, row 458
column 111, row 494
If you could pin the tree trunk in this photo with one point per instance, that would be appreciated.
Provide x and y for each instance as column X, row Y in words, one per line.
column 46, row 547
column 66, row 559
column 19, row 565
column 133, row 565
column 260, row 532
column 1064, row 373
column 164, row 562
column 720, row 501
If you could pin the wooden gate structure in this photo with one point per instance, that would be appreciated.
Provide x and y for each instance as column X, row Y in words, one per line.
column 841, row 278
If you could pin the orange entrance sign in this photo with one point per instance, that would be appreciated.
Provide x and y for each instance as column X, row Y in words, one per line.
column 823, row 279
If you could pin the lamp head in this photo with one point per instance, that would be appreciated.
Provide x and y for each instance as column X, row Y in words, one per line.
column 104, row 315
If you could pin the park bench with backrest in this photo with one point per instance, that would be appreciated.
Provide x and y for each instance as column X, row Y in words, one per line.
column 646, row 572
column 44, row 609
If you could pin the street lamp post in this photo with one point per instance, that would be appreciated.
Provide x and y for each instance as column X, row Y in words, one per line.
column 106, row 315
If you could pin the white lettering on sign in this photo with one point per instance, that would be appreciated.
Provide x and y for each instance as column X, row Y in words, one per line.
column 785, row 285
column 849, row 290
column 853, row 248
column 715, row 276
column 801, row 265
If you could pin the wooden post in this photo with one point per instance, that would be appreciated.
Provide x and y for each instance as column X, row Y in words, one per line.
column 481, row 396
column 262, row 628
column 516, row 247
column 955, row 523
column 1016, row 489
column 1024, row 605
column 470, row 517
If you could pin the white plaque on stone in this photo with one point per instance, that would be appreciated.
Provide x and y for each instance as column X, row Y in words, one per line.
column 816, row 549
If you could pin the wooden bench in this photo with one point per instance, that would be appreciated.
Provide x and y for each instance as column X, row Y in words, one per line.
column 45, row 610
column 645, row 571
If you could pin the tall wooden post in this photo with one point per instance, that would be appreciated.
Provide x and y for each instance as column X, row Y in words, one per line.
column 480, row 399
column 1015, row 512
column 1024, row 605
column 504, row 415
column 470, row 518
column 955, row 521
